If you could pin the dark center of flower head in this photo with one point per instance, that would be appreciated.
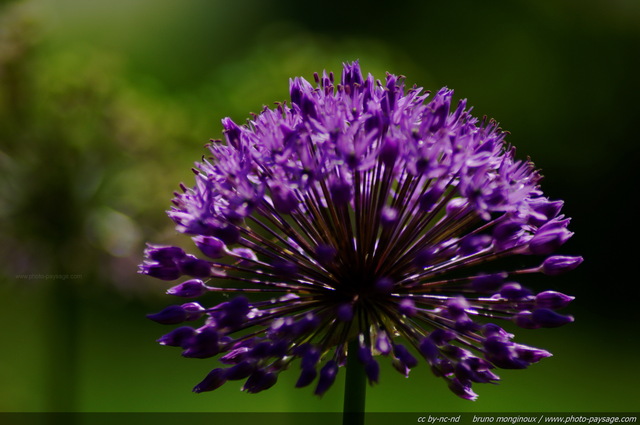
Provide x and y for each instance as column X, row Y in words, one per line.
column 362, row 217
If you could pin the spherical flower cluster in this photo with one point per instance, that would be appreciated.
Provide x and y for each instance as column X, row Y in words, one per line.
column 362, row 216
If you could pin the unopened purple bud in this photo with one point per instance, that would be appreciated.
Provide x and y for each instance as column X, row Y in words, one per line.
column 559, row 264
column 328, row 375
column 407, row 307
column 307, row 376
column 284, row 199
column 542, row 212
column 473, row 244
column 285, row 268
column 345, row 312
column 552, row 300
column 456, row 307
column 308, row 323
column 456, row 205
column 240, row 371
column 228, row 234
column 549, row 318
column 429, row 350
column 195, row 267
column 502, row 354
column 514, row 291
column 492, row 330
column 259, row 381
column 193, row 311
column 372, row 370
column 440, row 336
column 488, row 282
column 210, row 246
column 340, row 192
column 235, row 356
column 389, row 151
column 189, row 289
column 550, row 237
column 430, row 198
column 384, row 285
column 325, row 254
column 203, row 345
column 169, row 316
column 388, row 216
column 530, row 354
column 179, row 337
column 462, row 390
column 168, row 271
column 164, row 254
column 382, row 344
column 401, row 352
column 525, row 320
column 215, row 379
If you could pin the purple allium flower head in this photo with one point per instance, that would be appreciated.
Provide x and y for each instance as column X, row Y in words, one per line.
column 367, row 215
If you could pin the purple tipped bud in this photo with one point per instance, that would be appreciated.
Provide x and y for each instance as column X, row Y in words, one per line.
column 473, row 244
column 284, row 199
column 179, row 337
column 401, row 352
column 514, row 291
column 325, row 254
column 456, row 307
column 430, row 198
column 552, row 300
column 235, row 356
column 164, row 254
column 384, row 285
column 240, row 371
column 525, row 320
column 215, row 379
column 549, row 318
column 203, row 345
column 307, row 376
column 456, row 205
column 492, row 330
column 372, row 370
column 559, row 264
column 259, row 381
column 440, row 336
column 210, row 246
column 328, row 375
column 195, row 267
column 345, row 312
column 168, row 271
column 193, row 311
column 462, row 390
column 389, row 151
column 169, row 316
column 340, row 192
column 285, row 268
column 507, row 234
column 488, row 282
column 382, row 344
column 502, row 354
column 429, row 350
column 407, row 307
column 530, row 354
column 190, row 289
column 550, row 237
column 388, row 216
column 228, row 234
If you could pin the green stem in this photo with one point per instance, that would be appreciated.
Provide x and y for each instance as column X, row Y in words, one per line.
column 355, row 388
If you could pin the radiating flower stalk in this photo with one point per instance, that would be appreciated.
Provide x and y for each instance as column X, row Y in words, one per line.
column 362, row 220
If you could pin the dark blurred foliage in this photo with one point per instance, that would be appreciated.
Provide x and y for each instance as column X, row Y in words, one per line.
column 104, row 107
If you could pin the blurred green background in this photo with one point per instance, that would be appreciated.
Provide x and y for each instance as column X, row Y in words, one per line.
column 104, row 107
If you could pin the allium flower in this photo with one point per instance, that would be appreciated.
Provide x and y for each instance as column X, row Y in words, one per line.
column 362, row 217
